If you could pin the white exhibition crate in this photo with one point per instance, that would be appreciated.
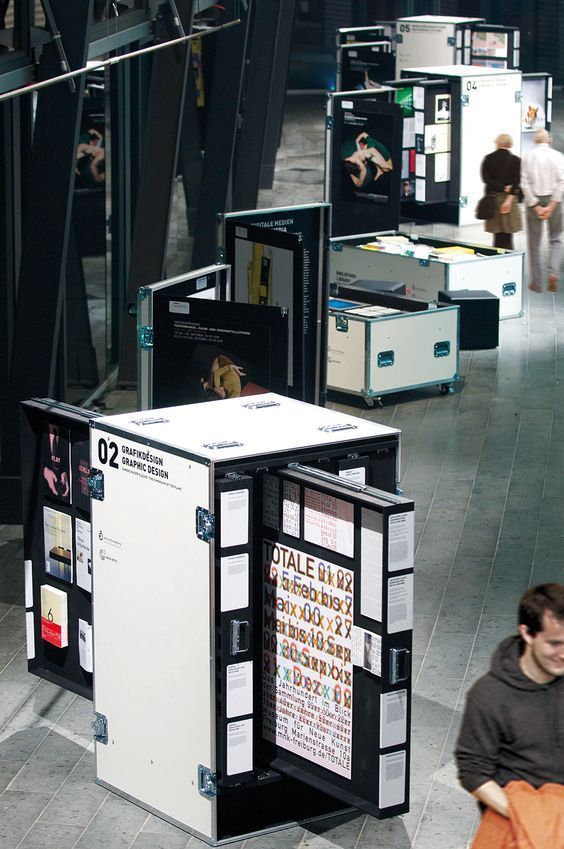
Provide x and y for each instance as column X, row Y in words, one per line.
column 372, row 354
column 498, row 272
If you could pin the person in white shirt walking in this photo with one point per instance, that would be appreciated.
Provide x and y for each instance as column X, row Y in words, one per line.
column 542, row 183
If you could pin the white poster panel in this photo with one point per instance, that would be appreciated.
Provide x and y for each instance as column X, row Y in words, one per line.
column 234, row 582
column 307, row 663
column 83, row 546
column 400, row 603
column 393, row 718
column 234, row 517
column 239, row 746
column 424, row 43
column 371, row 564
column 239, row 687
column 329, row 522
column 392, row 779
column 291, row 508
column 400, row 541
column 492, row 109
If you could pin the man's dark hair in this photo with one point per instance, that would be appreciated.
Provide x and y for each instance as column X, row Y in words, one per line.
column 352, row 167
column 549, row 597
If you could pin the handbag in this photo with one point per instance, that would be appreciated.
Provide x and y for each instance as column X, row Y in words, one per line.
column 486, row 207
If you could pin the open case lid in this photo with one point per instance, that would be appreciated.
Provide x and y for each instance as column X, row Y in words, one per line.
column 337, row 612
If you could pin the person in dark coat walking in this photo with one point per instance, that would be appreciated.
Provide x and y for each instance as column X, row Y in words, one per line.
column 501, row 173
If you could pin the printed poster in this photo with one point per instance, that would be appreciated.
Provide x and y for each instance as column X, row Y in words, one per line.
column 57, row 539
column 307, row 663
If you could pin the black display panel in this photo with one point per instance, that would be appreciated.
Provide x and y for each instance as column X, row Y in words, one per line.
column 364, row 66
column 267, row 269
column 57, row 543
column 311, row 224
column 364, row 156
column 212, row 350
column 337, row 573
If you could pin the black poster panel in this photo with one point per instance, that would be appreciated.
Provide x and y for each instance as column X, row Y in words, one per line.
column 365, row 162
column 365, row 66
column 267, row 268
column 311, row 224
column 337, row 579
column 210, row 350
column 438, row 140
column 57, row 543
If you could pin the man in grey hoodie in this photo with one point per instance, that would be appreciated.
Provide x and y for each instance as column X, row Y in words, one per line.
column 513, row 724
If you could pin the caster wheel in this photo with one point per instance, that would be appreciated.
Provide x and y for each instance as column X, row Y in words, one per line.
column 369, row 402
column 446, row 389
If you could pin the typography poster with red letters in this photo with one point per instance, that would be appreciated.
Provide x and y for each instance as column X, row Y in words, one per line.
column 308, row 671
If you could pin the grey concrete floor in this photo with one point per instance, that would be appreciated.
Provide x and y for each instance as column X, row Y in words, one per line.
column 485, row 469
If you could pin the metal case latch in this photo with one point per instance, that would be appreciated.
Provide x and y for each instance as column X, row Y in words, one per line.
column 207, row 782
column 451, row 41
column 509, row 289
column 205, row 524
column 442, row 349
column 399, row 665
column 146, row 337
column 465, row 99
column 385, row 358
column 239, row 636
column 342, row 323
column 100, row 726
column 95, row 481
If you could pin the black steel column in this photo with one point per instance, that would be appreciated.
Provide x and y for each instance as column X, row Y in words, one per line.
column 277, row 98
column 256, row 105
column 45, row 239
column 158, row 169
column 221, row 130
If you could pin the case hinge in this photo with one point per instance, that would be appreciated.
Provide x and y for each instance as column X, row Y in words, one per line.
column 100, row 726
column 451, row 41
column 463, row 201
column 465, row 99
column 518, row 96
column 207, row 782
column 205, row 524
column 329, row 122
column 399, row 665
column 95, row 481
column 398, row 38
column 342, row 323
column 146, row 336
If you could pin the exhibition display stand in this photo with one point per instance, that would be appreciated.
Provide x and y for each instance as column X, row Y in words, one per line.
column 194, row 344
column 260, row 274
column 432, row 40
column 429, row 265
column 254, row 596
column 374, row 349
column 363, row 65
column 454, row 132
